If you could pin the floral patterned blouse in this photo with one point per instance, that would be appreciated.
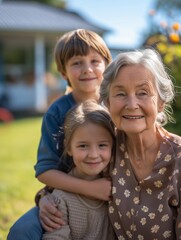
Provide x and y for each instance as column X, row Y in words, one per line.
column 148, row 209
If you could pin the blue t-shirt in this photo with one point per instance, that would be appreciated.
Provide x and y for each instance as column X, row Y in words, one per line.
column 48, row 153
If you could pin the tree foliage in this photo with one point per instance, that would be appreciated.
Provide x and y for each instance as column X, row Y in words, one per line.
column 164, row 35
column 168, row 7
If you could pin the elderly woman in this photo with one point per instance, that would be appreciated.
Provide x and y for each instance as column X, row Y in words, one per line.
column 146, row 172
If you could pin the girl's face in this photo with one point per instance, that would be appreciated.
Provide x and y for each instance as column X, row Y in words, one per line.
column 85, row 73
column 91, row 149
column 133, row 100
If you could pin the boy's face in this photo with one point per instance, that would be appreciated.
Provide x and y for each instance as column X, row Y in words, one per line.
column 85, row 73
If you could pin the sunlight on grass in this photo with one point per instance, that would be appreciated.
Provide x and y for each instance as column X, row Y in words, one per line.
column 18, row 185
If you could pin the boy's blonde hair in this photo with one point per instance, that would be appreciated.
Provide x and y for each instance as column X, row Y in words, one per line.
column 79, row 42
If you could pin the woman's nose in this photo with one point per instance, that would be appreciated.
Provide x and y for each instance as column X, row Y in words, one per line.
column 132, row 103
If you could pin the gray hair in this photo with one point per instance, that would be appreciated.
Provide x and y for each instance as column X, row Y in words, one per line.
column 152, row 61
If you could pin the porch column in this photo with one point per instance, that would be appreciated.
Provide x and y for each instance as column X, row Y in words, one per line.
column 40, row 70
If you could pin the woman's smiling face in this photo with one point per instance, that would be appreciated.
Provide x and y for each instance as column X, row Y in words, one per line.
column 133, row 100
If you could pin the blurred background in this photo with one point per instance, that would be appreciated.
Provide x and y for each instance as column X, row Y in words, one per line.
column 29, row 81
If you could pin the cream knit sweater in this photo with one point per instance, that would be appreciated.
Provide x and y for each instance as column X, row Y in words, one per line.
column 86, row 219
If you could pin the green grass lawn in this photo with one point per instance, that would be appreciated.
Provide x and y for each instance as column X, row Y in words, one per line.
column 18, row 185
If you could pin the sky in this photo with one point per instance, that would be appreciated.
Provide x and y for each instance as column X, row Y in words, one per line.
column 126, row 19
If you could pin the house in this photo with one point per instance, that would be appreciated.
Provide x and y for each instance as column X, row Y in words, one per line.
column 28, row 32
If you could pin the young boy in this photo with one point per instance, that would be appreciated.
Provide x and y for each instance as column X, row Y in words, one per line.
column 81, row 57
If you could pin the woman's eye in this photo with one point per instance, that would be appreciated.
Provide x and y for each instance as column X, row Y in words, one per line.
column 120, row 94
column 143, row 93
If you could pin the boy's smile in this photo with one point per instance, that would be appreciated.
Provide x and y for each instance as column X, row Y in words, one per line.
column 87, row 79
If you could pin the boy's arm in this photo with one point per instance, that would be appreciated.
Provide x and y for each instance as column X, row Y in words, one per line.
column 51, row 144
column 99, row 188
column 48, row 154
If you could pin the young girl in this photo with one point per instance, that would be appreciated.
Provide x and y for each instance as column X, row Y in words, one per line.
column 88, row 140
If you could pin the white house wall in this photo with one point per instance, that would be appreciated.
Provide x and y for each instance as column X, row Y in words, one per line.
column 41, row 98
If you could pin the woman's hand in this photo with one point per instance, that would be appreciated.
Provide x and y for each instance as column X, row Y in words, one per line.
column 50, row 216
column 101, row 189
